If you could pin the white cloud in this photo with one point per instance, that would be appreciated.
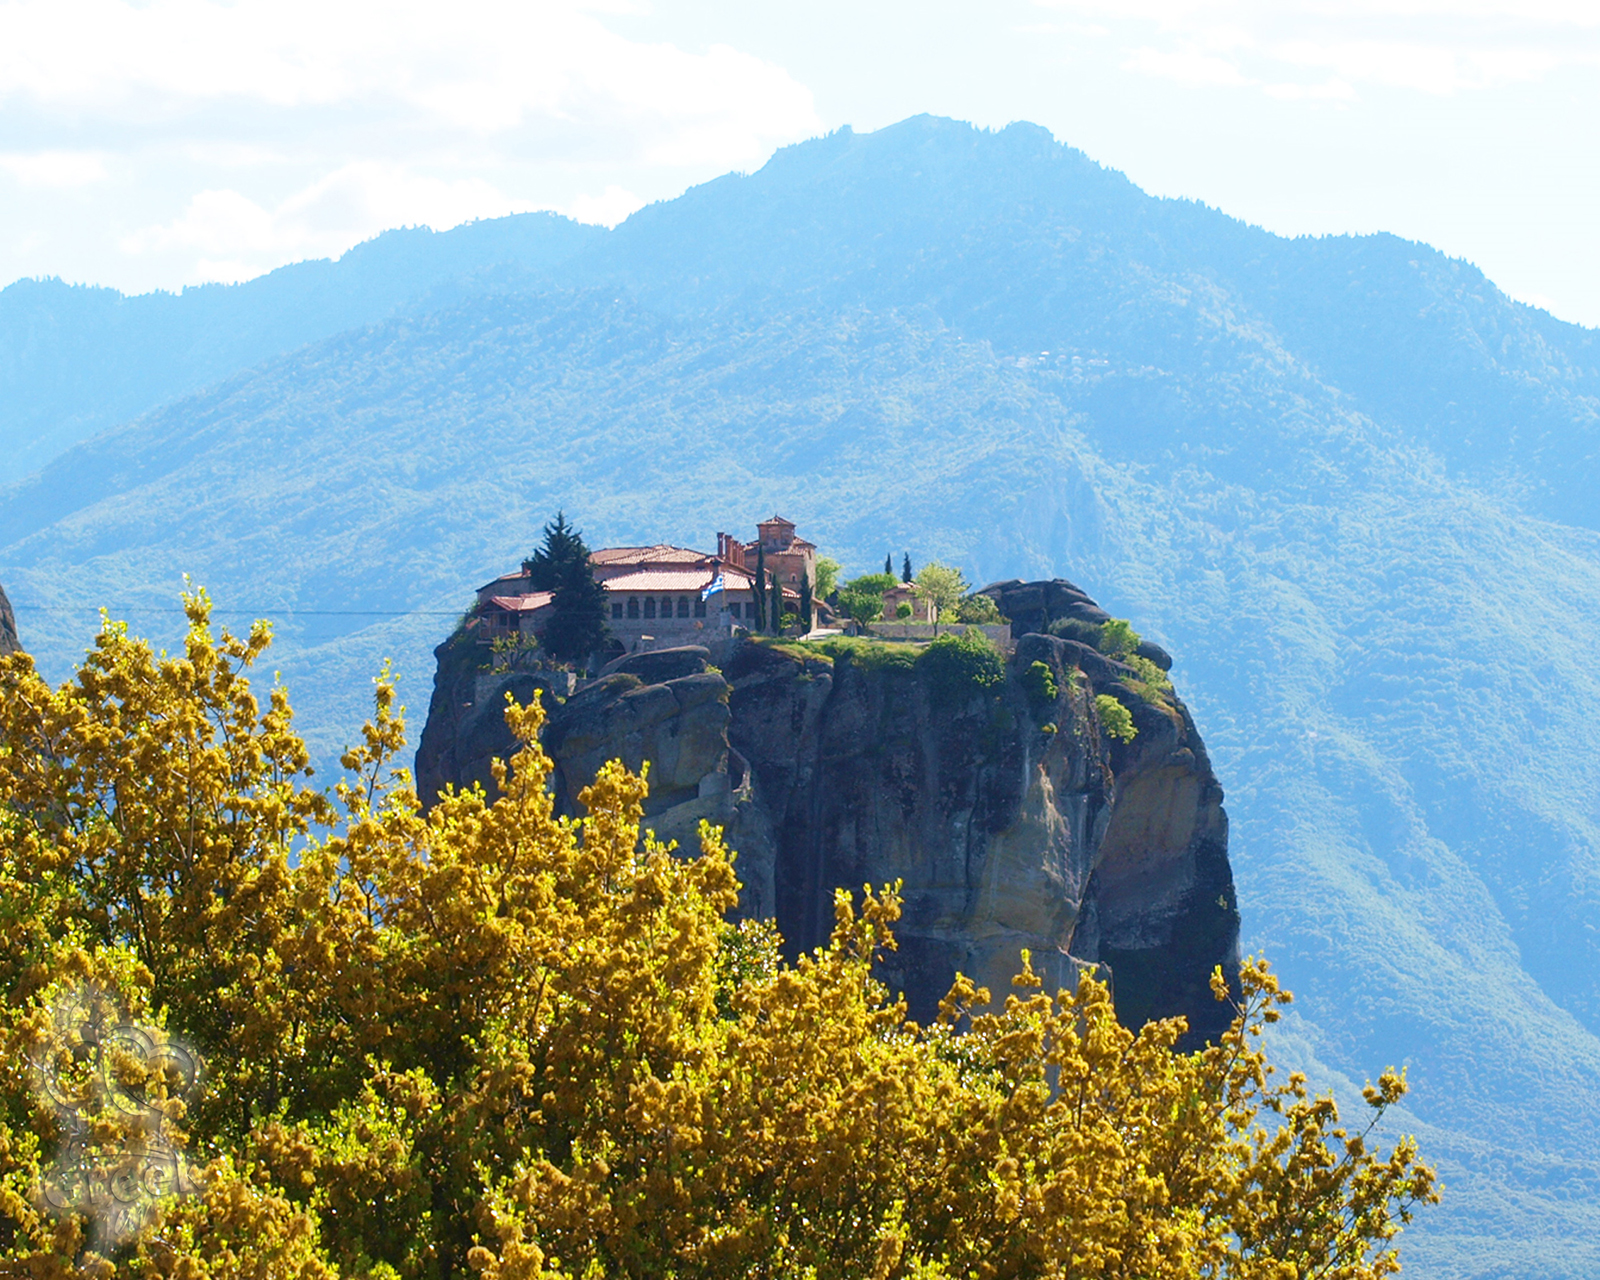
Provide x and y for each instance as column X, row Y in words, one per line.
column 250, row 132
column 232, row 237
column 1310, row 49
column 484, row 66
column 54, row 169
column 607, row 209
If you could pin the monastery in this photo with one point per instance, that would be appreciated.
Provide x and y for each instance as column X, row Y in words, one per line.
column 665, row 595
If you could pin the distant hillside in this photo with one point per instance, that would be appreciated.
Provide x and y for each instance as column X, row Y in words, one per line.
column 76, row 360
column 1346, row 481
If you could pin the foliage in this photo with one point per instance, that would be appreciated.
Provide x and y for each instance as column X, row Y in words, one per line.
column 905, row 569
column 806, row 614
column 1040, row 683
column 903, row 610
column 1115, row 719
column 959, row 666
column 1117, row 638
column 943, row 588
column 758, row 589
column 862, row 598
column 827, row 577
column 1151, row 683
column 563, row 546
column 532, row 1047
column 1077, row 629
column 978, row 609
column 509, row 652
column 577, row 625
column 868, row 653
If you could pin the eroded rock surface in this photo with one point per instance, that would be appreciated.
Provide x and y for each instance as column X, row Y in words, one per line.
column 8, row 626
column 1010, row 818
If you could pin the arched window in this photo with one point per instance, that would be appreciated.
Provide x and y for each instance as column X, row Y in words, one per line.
column 633, row 606
column 683, row 606
column 699, row 608
column 649, row 606
column 616, row 608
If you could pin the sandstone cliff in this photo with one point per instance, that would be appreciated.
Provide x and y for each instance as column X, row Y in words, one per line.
column 8, row 626
column 1012, row 820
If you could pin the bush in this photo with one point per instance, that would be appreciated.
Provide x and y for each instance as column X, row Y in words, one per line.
column 1115, row 719
column 867, row 654
column 979, row 609
column 1151, row 682
column 1077, row 629
column 959, row 666
column 1117, row 638
column 1040, row 682
column 903, row 609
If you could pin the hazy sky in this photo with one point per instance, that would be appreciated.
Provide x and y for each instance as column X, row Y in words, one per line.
column 154, row 143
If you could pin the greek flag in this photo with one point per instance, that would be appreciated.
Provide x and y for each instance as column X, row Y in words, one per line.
column 717, row 584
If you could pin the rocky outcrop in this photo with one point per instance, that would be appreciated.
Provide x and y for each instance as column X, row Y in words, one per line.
column 8, row 626
column 1010, row 818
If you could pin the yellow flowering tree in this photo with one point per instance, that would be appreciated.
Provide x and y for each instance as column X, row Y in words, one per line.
column 256, row 1030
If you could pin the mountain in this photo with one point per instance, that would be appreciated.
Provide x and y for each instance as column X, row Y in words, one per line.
column 1346, row 481
column 75, row 360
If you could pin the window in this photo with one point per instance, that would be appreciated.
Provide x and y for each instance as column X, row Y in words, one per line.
column 683, row 606
column 666, row 607
column 633, row 606
column 699, row 608
column 733, row 608
column 616, row 608
column 649, row 606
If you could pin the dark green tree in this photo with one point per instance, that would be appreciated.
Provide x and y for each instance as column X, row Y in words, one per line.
column 759, row 595
column 888, row 563
column 563, row 546
column 577, row 625
column 905, row 568
column 805, row 600
column 775, row 606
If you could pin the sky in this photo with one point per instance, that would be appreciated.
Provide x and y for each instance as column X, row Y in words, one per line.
column 150, row 144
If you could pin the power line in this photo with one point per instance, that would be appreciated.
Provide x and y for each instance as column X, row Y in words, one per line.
column 243, row 613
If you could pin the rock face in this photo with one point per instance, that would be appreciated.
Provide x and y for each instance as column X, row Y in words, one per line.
column 8, row 626
column 1012, row 820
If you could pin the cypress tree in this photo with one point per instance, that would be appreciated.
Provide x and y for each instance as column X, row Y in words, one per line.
column 759, row 595
column 888, row 564
column 805, row 600
column 775, row 609
column 905, row 569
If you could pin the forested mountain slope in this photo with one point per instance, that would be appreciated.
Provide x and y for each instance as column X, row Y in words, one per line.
column 75, row 360
column 1346, row 482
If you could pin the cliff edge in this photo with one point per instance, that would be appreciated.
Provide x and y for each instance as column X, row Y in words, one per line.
column 8, row 626
column 992, row 790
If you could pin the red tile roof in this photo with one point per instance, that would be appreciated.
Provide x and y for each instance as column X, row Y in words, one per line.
column 524, row 604
column 662, row 553
column 668, row 579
